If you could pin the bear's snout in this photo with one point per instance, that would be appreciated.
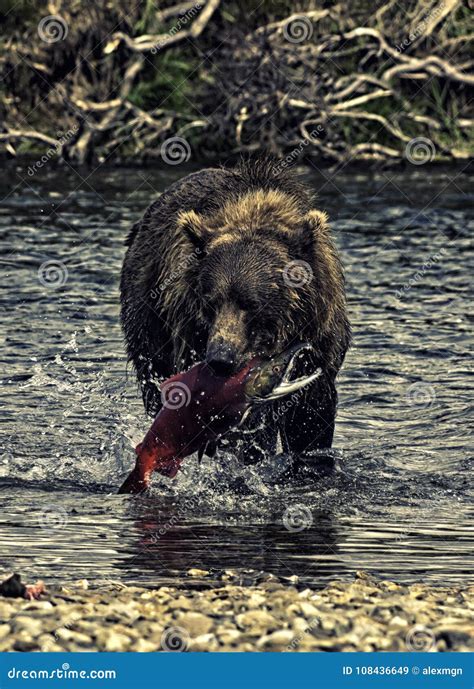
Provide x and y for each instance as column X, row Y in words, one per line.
column 222, row 357
column 227, row 340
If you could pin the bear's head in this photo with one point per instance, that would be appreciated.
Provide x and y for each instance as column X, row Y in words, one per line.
column 254, row 275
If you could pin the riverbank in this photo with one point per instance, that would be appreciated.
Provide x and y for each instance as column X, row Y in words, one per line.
column 271, row 82
column 363, row 615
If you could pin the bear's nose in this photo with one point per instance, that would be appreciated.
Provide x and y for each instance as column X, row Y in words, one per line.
column 221, row 357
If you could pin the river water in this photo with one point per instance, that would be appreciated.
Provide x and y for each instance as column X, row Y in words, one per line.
column 399, row 503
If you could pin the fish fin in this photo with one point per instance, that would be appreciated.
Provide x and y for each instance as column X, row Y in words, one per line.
column 211, row 448
column 245, row 416
column 208, row 449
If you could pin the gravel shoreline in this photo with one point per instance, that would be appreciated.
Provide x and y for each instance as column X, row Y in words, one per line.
column 363, row 615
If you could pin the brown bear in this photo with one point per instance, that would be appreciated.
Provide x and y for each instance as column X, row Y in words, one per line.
column 232, row 263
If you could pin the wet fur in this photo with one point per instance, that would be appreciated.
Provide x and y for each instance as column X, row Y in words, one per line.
column 208, row 258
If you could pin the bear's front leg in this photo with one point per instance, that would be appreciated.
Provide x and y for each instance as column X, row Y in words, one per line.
column 255, row 438
column 308, row 426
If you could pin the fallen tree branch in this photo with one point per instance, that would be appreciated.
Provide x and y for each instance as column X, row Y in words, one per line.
column 159, row 42
column 30, row 134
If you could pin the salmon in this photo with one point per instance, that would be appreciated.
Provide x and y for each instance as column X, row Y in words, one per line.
column 199, row 407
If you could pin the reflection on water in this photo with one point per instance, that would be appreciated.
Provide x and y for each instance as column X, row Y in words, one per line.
column 398, row 503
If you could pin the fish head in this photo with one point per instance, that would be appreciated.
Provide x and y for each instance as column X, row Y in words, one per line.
column 271, row 380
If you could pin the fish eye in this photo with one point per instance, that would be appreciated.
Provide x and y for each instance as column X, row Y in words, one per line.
column 276, row 369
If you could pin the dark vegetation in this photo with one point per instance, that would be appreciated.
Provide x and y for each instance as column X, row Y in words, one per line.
column 336, row 81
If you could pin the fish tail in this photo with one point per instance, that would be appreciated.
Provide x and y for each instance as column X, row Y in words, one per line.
column 134, row 483
column 138, row 480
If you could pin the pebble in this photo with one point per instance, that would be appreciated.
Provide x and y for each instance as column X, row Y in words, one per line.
column 362, row 615
column 195, row 623
column 229, row 636
column 30, row 625
column 6, row 610
column 113, row 641
column 144, row 646
column 24, row 645
column 257, row 621
column 281, row 638
column 205, row 642
column 398, row 622
column 5, row 630
column 76, row 637
column 308, row 610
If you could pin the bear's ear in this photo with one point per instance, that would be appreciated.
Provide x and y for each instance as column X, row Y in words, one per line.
column 315, row 224
column 193, row 226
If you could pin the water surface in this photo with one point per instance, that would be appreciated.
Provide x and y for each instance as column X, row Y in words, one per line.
column 400, row 500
